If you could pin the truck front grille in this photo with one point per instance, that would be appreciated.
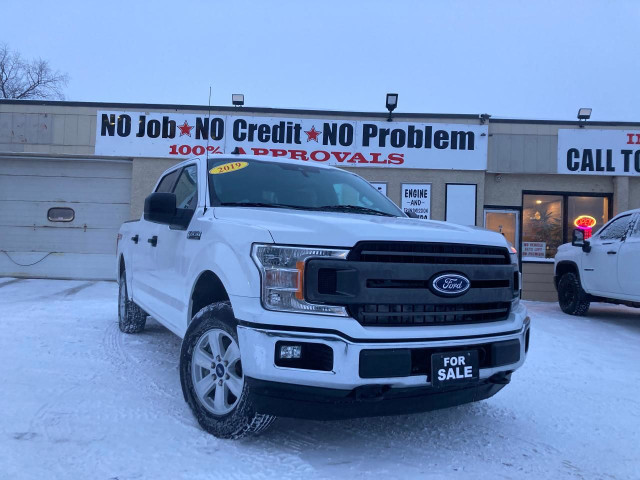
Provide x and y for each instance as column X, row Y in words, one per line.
column 429, row 314
column 430, row 253
column 391, row 283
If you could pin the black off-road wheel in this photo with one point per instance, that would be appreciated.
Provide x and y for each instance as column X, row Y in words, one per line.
column 212, row 378
column 571, row 297
column 131, row 318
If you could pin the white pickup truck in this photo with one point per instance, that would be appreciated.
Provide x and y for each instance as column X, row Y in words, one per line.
column 605, row 268
column 301, row 291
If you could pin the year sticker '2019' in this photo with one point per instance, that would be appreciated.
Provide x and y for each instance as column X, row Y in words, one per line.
column 228, row 167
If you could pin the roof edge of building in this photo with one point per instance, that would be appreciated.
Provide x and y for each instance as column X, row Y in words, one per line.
column 157, row 106
column 340, row 113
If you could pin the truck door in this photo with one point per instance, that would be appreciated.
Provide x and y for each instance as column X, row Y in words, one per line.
column 629, row 262
column 600, row 265
column 172, row 254
column 145, row 280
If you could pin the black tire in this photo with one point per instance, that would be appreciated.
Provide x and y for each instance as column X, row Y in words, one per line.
column 131, row 318
column 242, row 420
column 571, row 297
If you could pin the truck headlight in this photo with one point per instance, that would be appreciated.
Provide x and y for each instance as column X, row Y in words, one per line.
column 517, row 277
column 282, row 276
column 513, row 253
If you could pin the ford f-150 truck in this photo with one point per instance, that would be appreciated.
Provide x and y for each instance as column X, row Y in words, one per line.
column 301, row 291
column 605, row 267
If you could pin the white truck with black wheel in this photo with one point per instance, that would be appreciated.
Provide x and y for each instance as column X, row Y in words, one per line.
column 301, row 291
column 603, row 268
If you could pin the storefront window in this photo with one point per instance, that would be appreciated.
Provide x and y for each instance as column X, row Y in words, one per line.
column 541, row 226
column 587, row 213
column 549, row 220
column 502, row 222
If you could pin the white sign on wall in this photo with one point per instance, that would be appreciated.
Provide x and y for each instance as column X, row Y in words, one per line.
column 416, row 198
column 332, row 142
column 599, row 152
column 534, row 249
column 461, row 204
column 382, row 187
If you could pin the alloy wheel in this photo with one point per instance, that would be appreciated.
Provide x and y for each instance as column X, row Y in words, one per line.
column 216, row 371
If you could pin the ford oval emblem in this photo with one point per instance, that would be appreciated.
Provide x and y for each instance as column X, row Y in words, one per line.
column 450, row 284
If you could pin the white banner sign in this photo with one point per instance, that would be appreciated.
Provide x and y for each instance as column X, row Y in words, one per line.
column 599, row 152
column 333, row 142
column 416, row 198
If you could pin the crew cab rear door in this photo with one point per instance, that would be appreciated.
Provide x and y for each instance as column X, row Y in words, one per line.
column 600, row 265
column 629, row 262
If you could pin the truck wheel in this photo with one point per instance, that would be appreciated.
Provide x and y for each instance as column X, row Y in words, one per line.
column 571, row 297
column 131, row 318
column 212, row 379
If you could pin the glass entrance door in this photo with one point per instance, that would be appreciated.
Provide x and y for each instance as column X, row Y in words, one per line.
column 504, row 221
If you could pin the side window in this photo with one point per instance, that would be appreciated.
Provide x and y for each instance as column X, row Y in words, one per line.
column 167, row 182
column 636, row 230
column 186, row 189
column 616, row 229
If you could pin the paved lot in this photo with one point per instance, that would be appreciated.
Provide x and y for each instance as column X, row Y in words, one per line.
column 81, row 400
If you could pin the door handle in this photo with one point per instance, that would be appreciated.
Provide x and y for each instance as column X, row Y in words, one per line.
column 153, row 240
column 134, row 239
column 611, row 252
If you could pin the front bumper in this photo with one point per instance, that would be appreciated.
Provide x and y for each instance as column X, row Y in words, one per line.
column 258, row 345
column 316, row 403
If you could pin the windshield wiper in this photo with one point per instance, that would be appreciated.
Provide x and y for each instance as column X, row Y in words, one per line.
column 260, row 204
column 325, row 208
column 353, row 209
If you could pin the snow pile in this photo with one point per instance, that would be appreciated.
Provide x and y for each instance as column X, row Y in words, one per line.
column 81, row 400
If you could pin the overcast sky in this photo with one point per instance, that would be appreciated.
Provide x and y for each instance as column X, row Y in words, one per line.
column 508, row 58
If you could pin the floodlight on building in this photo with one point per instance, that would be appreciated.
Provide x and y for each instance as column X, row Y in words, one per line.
column 237, row 99
column 584, row 114
column 392, row 103
column 484, row 118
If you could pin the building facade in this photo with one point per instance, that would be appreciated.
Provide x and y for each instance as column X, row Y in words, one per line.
column 71, row 173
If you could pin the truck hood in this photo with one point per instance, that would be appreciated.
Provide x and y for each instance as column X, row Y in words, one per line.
column 331, row 229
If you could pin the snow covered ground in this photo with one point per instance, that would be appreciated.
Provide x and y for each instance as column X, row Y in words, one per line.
column 78, row 399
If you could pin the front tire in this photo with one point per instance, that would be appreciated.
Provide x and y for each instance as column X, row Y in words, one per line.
column 571, row 296
column 212, row 378
column 131, row 318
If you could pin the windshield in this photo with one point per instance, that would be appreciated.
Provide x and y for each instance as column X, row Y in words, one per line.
column 256, row 183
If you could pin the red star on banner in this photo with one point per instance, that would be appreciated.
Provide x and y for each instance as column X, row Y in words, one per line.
column 312, row 134
column 185, row 129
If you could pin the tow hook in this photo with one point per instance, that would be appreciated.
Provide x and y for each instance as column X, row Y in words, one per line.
column 370, row 393
column 502, row 378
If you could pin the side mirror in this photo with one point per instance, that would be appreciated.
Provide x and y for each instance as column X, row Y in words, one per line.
column 160, row 208
column 411, row 214
column 577, row 240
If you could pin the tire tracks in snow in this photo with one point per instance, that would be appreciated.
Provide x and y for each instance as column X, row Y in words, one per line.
column 258, row 462
column 129, row 367
column 53, row 421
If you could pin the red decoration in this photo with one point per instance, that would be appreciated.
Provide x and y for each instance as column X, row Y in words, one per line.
column 312, row 134
column 586, row 224
column 185, row 129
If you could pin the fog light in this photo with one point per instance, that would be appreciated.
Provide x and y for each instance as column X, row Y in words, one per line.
column 290, row 351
